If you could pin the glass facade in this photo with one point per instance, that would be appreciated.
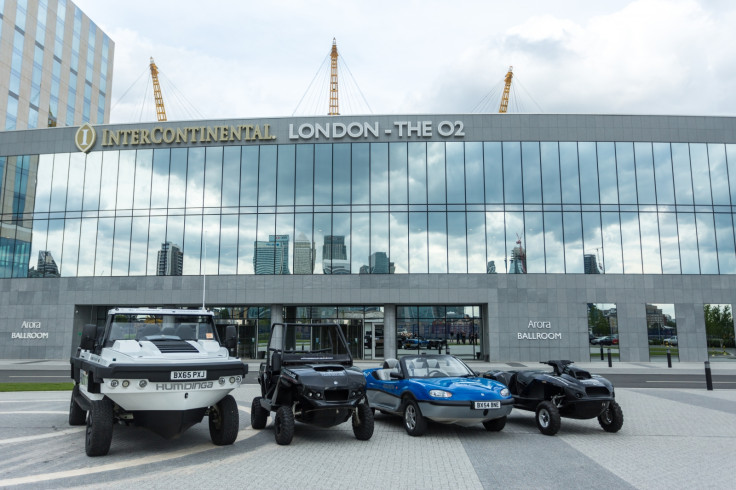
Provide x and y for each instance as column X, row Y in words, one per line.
column 374, row 208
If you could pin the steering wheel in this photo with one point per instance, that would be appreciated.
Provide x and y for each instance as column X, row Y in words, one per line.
column 436, row 374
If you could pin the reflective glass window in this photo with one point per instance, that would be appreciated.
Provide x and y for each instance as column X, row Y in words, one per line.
column 341, row 248
column 651, row 259
column 495, row 242
column 476, row 233
column 626, row 173
column 139, row 246
column 304, row 246
column 246, row 241
column 457, row 261
column 304, row 174
column 43, row 185
column 160, row 179
column 725, row 242
column 360, row 174
column 718, row 174
column 341, row 173
column 178, row 178
column 533, row 241
column 399, row 246
column 607, row 174
column 493, row 169
column 210, row 244
column 60, row 182
column 515, row 262
column 249, row 175
column 569, row 176
column 611, row 231
column 323, row 174
column 228, row 244
column 644, row 164
column 670, row 244
column 532, row 172
column 88, row 230
column 681, row 173
column 701, row 173
column 54, row 247
column 731, row 163
column 550, row 172
column 455, row 158
column 71, row 247
column 437, row 236
column 121, row 246
column 213, row 177
column 512, row 173
column 231, row 176
column 592, row 240
column 554, row 247
column 267, row 176
column 323, row 240
column 156, row 237
column 143, row 175
column 361, row 232
column 126, row 180
column 418, row 252
column 417, row 156
column 398, row 181
column 630, row 240
column 192, row 244
column 573, row 243
column 474, row 173
column 76, row 182
column 103, row 251
column 588, row 173
column 92, row 175
column 379, row 173
column 706, row 243
column 688, row 243
column 663, row 173
column 436, row 192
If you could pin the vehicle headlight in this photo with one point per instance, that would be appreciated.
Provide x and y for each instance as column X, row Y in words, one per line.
column 114, row 383
column 505, row 392
column 440, row 394
column 126, row 383
column 142, row 383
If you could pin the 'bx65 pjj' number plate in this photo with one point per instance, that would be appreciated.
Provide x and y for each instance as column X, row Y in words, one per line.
column 182, row 375
column 485, row 405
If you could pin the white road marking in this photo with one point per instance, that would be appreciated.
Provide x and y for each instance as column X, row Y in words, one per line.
column 65, row 377
column 242, row 435
column 243, row 409
column 34, row 401
column 688, row 382
column 42, row 436
column 36, row 412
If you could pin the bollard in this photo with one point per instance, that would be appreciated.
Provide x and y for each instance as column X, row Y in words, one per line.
column 601, row 352
column 669, row 359
column 609, row 357
column 708, row 378
column 439, row 347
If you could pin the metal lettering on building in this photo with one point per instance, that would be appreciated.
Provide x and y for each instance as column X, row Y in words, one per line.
column 365, row 130
column 187, row 135
column 32, row 335
column 539, row 325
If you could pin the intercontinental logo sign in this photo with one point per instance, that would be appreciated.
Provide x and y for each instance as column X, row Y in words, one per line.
column 86, row 135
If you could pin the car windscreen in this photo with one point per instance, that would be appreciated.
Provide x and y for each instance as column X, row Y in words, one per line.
column 322, row 339
column 161, row 327
column 434, row 367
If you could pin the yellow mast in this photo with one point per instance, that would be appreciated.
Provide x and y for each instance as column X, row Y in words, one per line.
column 160, row 110
column 334, row 108
column 506, row 90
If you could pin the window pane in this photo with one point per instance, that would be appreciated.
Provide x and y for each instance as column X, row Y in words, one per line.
column 43, row 186
column 626, row 173
column 512, row 173
column 688, row 243
column 592, row 240
column 93, row 171
column 156, row 237
column 192, row 244
column 231, row 178
column 726, row 249
column 588, row 173
column 267, row 176
column 379, row 173
column 126, row 180
column 418, row 261
column 103, row 254
column 611, row 228
column 341, row 173
column 516, row 262
column 644, row 174
column 574, row 263
column 398, row 178
column 631, row 243
column 731, row 161
column 286, row 175
column 121, row 247
column 323, row 239
column 550, row 172
column 701, row 174
column 304, row 247
column 341, row 243
column 533, row 241
column 476, row 243
column 495, row 242
column 210, row 244
column 304, row 174
column 718, row 174
column 88, row 231
column 436, row 192
column 569, row 172
column 456, row 243
column 663, row 174
column 493, row 173
column 360, row 173
column 178, row 178
column 554, row 248
column 139, row 246
column 607, row 179
column 417, row 155
column 246, row 241
column 532, row 172
column 59, row 182
column 707, row 243
column 249, row 177
column 71, row 248
column 379, row 239
column 323, row 174
column 160, row 179
column 437, row 242
column 455, row 173
column 361, row 230
column 213, row 177
column 670, row 244
column 228, row 244
column 474, row 173
column 681, row 172
column 143, row 170
column 76, row 179
column 399, row 234
column 651, row 259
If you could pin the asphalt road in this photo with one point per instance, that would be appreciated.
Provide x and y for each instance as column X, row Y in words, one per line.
column 632, row 380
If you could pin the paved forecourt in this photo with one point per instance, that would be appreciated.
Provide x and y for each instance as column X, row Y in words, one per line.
column 670, row 439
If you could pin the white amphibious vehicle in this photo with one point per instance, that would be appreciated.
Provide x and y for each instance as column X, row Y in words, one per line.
column 161, row 369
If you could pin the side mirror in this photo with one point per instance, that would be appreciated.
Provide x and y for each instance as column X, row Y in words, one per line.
column 231, row 338
column 395, row 375
column 89, row 335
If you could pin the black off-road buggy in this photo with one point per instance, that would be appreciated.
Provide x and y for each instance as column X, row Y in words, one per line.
column 309, row 377
column 568, row 391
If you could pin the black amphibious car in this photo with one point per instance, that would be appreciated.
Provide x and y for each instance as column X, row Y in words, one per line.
column 567, row 391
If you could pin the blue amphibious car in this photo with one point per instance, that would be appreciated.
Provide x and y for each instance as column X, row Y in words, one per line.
column 441, row 388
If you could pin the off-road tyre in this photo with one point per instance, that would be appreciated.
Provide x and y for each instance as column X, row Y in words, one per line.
column 363, row 422
column 99, row 428
column 283, row 425
column 495, row 425
column 77, row 416
column 612, row 418
column 258, row 414
column 548, row 418
column 224, row 421
column 414, row 422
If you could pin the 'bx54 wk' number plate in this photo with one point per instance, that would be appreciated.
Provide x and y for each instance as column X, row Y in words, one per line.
column 485, row 405
column 186, row 375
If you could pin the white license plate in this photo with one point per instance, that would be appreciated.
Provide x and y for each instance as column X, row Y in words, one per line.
column 179, row 375
column 485, row 405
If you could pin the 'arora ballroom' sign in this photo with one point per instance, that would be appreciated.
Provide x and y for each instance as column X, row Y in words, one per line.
column 538, row 332
column 29, row 330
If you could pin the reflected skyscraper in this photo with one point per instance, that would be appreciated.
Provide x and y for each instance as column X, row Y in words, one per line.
column 304, row 253
column 170, row 260
column 272, row 257
column 491, row 267
column 590, row 263
column 380, row 264
column 335, row 255
column 517, row 264
column 46, row 265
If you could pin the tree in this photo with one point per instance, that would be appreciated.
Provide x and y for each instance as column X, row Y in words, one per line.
column 719, row 324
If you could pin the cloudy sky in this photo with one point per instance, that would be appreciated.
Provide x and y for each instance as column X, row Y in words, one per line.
column 236, row 59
